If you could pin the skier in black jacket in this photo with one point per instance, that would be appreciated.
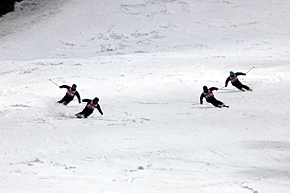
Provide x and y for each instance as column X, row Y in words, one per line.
column 208, row 95
column 235, row 81
column 69, row 96
column 89, row 108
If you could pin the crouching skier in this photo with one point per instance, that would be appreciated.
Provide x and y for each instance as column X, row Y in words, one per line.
column 208, row 95
column 89, row 108
column 236, row 82
column 69, row 96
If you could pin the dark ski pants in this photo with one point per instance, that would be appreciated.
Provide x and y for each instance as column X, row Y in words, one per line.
column 65, row 100
column 240, row 86
column 86, row 112
column 216, row 102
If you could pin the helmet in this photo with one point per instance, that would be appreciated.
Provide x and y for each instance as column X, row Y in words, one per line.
column 95, row 100
column 205, row 89
column 232, row 73
column 73, row 87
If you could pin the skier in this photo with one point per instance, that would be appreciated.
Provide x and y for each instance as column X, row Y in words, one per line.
column 69, row 96
column 208, row 95
column 89, row 108
column 235, row 81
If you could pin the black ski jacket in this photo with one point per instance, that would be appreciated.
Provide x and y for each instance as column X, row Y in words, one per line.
column 76, row 93
column 234, row 79
column 208, row 96
column 90, row 107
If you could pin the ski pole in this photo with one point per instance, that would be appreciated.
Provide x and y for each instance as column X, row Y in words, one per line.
column 224, row 88
column 250, row 69
column 53, row 82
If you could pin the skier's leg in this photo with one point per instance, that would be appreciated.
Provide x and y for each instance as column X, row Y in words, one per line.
column 62, row 100
column 215, row 103
column 221, row 104
column 239, row 86
column 82, row 112
column 246, row 87
column 88, row 113
column 67, row 100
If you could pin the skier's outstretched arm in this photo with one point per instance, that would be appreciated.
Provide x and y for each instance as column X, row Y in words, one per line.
column 213, row 88
column 227, row 81
column 201, row 97
column 99, row 109
column 86, row 100
column 64, row 86
column 79, row 97
column 240, row 73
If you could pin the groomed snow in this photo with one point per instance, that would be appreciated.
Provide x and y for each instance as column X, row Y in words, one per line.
column 147, row 61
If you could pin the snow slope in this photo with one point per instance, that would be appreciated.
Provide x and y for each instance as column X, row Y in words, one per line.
column 88, row 28
column 147, row 62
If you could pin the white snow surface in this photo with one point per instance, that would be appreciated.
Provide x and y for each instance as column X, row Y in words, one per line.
column 147, row 61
